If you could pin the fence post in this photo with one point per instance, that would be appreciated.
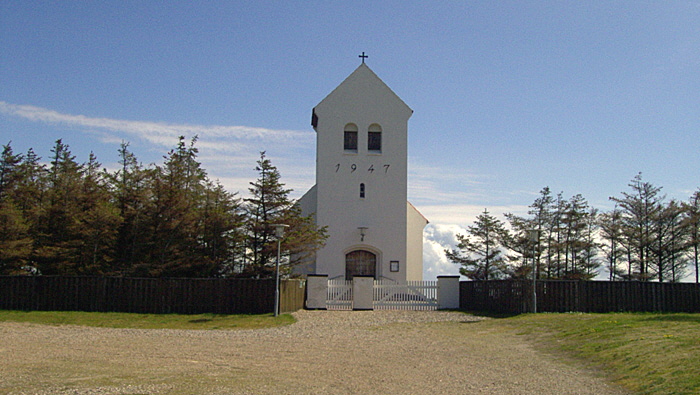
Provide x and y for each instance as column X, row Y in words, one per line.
column 448, row 292
column 363, row 293
column 316, row 291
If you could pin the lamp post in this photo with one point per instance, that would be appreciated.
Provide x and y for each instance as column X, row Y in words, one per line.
column 534, row 235
column 279, row 232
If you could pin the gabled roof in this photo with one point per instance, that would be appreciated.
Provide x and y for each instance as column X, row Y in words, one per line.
column 365, row 84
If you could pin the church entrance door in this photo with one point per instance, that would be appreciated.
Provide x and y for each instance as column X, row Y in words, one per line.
column 360, row 263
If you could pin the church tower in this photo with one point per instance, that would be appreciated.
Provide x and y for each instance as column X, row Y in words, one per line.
column 361, row 184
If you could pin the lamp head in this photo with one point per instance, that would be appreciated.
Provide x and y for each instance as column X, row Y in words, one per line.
column 533, row 235
column 279, row 229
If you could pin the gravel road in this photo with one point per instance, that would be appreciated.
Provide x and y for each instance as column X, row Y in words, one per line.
column 325, row 352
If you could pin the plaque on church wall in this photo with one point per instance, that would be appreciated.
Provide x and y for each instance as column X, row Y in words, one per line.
column 394, row 266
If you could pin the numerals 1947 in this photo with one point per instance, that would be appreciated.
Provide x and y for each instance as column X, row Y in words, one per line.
column 353, row 168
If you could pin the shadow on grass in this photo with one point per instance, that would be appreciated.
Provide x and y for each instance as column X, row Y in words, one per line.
column 490, row 314
column 200, row 320
column 676, row 318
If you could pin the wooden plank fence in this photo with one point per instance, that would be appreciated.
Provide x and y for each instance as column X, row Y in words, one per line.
column 148, row 295
column 515, row 296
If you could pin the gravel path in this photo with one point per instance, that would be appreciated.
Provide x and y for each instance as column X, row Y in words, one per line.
column 325, row 352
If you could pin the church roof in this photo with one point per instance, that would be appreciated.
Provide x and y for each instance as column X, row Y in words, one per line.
column 365, row 85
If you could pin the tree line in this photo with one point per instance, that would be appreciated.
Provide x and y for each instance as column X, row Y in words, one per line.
column 162, row 220
column 645, row 237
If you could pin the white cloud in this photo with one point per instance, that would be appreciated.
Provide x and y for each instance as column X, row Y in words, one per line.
column 162, row 133
column 437, row 238
column 228, row 153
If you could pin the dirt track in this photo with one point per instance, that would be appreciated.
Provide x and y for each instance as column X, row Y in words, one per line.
column 323, row 353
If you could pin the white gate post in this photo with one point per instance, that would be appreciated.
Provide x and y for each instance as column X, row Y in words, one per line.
column 448, row 292
column 363, row 293
column 316, row 291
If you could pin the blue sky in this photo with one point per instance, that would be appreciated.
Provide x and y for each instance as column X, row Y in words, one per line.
column 508, row 97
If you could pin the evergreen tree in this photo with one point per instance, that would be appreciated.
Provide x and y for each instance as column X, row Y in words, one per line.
column 177, row 187
column 589, row 259
column 669, row 243
column 639, row 208
column 480, row 253
column 613, row 247
column 269, row 204
column 15, row 241
column 9, row 175
column 221, row 234
column 692, row 220
column 544, row 220
column 130, row 195
column 98, row 222
column 57, row 238
column 574, row 224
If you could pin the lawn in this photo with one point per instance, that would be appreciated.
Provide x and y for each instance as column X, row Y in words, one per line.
column 644, row 352
column 149, row 321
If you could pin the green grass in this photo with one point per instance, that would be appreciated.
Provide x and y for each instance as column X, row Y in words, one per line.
column 149, row 321
column 646, row 353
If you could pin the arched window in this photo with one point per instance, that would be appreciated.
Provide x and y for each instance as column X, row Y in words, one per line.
column 374, row 138
column 362, row 190
column 360, row 263
column 350, row 138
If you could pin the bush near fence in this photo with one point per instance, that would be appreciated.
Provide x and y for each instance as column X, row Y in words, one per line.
column 148, row 295
column 515, row 296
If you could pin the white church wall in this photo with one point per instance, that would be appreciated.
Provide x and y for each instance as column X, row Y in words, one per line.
column 363, row 100
column 364, row 188
column 414, row 243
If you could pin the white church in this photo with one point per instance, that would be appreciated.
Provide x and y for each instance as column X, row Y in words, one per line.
column 361, row 184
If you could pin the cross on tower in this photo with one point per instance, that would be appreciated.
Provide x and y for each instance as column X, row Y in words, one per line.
column 363, row 56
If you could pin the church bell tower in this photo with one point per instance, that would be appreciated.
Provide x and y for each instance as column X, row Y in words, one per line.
column 361, row 183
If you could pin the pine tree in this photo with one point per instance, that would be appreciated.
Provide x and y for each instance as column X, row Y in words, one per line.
column 9, row 175
column 480, row 253
column 639, row 209
column 58, row 240
column 692, row 209
column 98, row 222
column 613, row 247
column 221, row 233
column 130, row 193
column 177, row 187
column 542, row 219
column 270, row 204
column 669, row 242
column 15, row 241
column 574, row 224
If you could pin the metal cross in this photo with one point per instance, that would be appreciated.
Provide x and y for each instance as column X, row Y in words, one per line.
column 363, row 56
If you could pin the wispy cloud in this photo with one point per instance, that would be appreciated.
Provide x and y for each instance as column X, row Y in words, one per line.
column 237, row 138
column 228, row 153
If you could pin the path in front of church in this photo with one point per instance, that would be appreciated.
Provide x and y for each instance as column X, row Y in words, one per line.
column 325, row 352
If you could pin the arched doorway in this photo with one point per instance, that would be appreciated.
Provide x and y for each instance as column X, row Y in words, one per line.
column 360, row 263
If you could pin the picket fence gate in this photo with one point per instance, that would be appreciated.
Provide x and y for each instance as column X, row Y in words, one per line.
column 387, row 295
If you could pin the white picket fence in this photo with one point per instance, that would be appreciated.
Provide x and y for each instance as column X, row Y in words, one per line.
column 412, row 295
column 387, row 295
column 339, row 295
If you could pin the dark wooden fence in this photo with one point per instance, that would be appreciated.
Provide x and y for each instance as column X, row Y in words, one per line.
column 148, row 295
column 510, row 296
